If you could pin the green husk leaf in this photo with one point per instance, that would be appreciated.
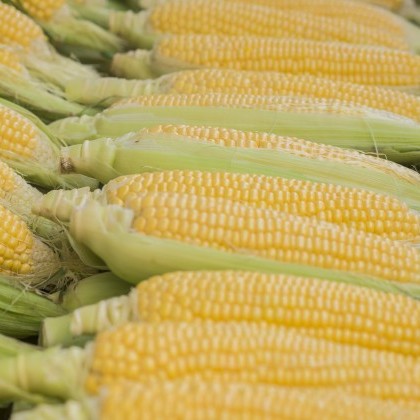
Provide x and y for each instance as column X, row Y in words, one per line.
column 10, row 347
column 398, row 141
column 132, row 27
column 37, row 96
column 95, row 11
column 22, row 310
column 104, row 91
column 133, row 65
column 85, row 34
column 92, row 290
column 70, row 410
column 54, row 68
column 54, row 373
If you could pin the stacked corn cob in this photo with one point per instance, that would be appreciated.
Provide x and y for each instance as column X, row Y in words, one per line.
column 253, row 248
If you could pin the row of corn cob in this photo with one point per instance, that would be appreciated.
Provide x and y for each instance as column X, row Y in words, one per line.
column 285, row 266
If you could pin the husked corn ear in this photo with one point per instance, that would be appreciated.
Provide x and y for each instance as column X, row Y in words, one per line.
column 271, row 83
column 360, row 209
column 42, row 10
column 21, row 253
column 366, row 317
column 17, row 28
column 108, row 90
column 299, row 104
column 20, row 139
column 247, row 353
column 336, row 311
column 22, row 33
column 233, row 227
column 235, row 138
column 338, row 9
column 338, row 61
column 231, row 18
column 166, row 400
column 15, row 192
column 29, row 148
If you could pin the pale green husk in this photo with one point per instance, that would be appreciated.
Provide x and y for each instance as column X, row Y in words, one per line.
column 105, row 159
column 104, row 91
column 66, row 27
column 10, row 347
column 92, row 290
column 70, row 410
column 97, row 11
column 133, row 28
column 47, row 65
column 22, row 311
column 54, row 373
column 37, row 96
column 398, row 141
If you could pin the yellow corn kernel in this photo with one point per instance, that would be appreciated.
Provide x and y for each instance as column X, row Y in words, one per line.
column 41, row 10
column 359, row 13
column 233, row 227
column 338, row 61
column 166, row 400
column 20, row 252
column 11, row 60
column 15, row 192
column 362, row 14
column 231, row 18
column 271, row 83
column 17, row 28
column 360, row 209
column 247, row 353
column 21, row 139
column 335, row 311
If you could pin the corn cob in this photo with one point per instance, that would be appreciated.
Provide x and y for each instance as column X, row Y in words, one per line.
column 309, row 304
column 63, row 26
column 21, row 32
column 364, row 14
column 233, row 229
column 22, row 255
column 359, row 209
column 166, row 400
column 387, row 67
column 18, row 196
column 201, row 17
column 187, row 147
column 14, row 191
column 226, row 352
column 96, row 11
column 108, row 90
column 11, row 347
column 28, row 147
